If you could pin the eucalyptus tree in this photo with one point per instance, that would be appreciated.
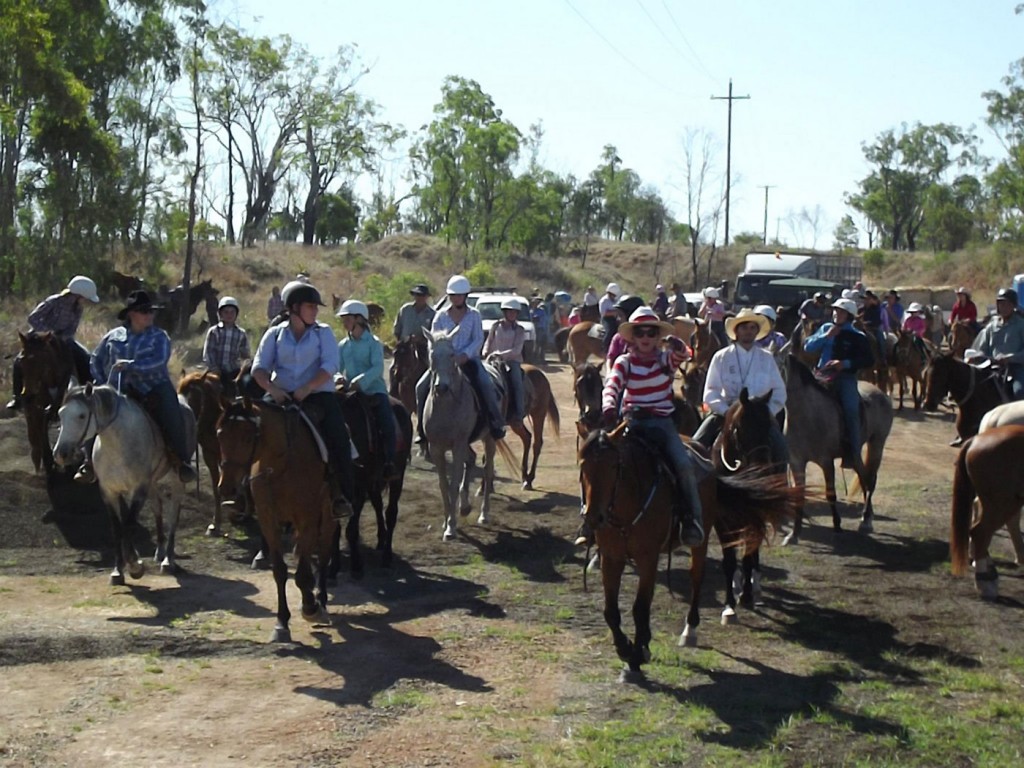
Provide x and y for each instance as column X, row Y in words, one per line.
column 1006, row 180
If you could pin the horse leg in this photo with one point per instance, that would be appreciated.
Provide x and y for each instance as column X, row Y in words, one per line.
column 751, row 594
column 211, row 457
column 986, row 578
column 698, row 562
column 1013, row 528
column 281, row 633
column 647, row 571
column 799, row 481
column 829, row 471
column 611, row 578
column 449, row 490
column 117, row 534
column 527, row 439
column 463, row 479
column 538, row 443
column 488, row 483
column 356, row 568
column 731, row 585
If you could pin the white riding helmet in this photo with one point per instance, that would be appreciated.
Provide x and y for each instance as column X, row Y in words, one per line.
column 353, row 307
column 511, row 303
column 766, row 311
column 846, row 304
column 83, row 286
column 710, row 293
column 228, row 301
column 613, row 289
column 458, row 284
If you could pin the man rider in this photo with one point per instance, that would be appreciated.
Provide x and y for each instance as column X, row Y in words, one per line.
column 814, row 308
column 1002, row 340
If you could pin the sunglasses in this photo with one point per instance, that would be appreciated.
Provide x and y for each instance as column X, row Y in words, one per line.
column 650, row 333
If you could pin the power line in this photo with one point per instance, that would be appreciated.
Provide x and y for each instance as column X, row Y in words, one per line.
column 690, row 47
column 665, row 37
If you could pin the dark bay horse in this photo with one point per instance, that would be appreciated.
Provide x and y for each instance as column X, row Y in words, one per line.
column 409, row 362
column 814, row 432
column 370, row 483
column 204, row 393
column 561, row 342
column 975, row 391
column 988, row 467
column 628, row 496
column 908, row 361
column 47, row 367
column 276, row 451
column 742, row 445
column 202, row 292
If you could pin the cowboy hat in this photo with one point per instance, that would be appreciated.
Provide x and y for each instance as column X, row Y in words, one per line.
column 644, row 316
column 137, row 301
column 419, row 290
column 747, row 316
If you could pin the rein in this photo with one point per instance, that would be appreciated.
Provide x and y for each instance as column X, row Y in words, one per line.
column 604, row 519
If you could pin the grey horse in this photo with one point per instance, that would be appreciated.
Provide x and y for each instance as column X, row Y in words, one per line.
column 129, row 458
column 813, row 435
column 450, row 421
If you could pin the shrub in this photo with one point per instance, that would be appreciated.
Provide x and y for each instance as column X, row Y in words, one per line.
column 874, row 259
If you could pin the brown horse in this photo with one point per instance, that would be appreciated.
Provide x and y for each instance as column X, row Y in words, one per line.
column 961, row 336
column 908, row 360
column 976, row 392
column 561, row 340
column 276, row 452
column 628, row 498
column 204, row 394
column 409, row 362
column 539, row 404
column 201, row 293
column 582, row 346
column 47, row 366
column 987, row 468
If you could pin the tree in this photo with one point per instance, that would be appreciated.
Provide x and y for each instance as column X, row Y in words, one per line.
column 705, row 198
column 338, row 218
column 845, row 234
column 1006, row 181
column 907, row 165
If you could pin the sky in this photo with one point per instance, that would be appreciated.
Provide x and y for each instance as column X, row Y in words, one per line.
column 823, row 77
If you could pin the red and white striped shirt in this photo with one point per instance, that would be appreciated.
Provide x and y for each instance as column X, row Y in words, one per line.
column 645, row 383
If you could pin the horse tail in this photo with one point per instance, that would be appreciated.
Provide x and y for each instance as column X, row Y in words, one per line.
column 553, row 412
column 750, row 502
column 963, row 503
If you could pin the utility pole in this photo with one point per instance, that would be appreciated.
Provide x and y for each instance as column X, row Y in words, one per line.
column 728, row 155
column 764, row 237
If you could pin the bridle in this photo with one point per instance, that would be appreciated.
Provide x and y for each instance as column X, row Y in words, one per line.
column 604, row 516
column 252, row 419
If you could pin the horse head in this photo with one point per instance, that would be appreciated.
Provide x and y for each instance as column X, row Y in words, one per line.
column 600, row 465
column 238, row 433
column 744, row 437
column 937, row 378
column 443, row 369
column 587, row 388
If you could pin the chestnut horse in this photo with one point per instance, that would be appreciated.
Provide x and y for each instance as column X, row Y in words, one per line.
column 961, row 335
column 908, row 360
column 47, row 366
column 582, row 345
column 409, row 362
column 987, row 468
column 539, row 405
column 628, row 497
column 276, row 451
column 203, row 392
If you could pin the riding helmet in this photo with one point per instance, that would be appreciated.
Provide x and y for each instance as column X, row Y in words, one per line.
column 297, row 292
column 628, row 304
column 458, row 285
column 1007, row 294
column 766, row 311
column 228, row 301
column 353, row 307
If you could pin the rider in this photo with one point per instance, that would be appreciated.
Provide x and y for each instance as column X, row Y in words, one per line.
column 844, row 351
column 1002, row 340
column 624, row 307
column 59, row 314
column 296, row 360
column 415, row 316
column 661, row 302
column 226, row 346
column 467, row 341
column 770, row 338
column 713, row 311
column 744, row 364
column 361, row 365
column 892, row 311
column 606, row 307
column 135, row 356
column 505, row 341
column 639, row 387
column 871, row 316
column 964, row 310
column 814, row 308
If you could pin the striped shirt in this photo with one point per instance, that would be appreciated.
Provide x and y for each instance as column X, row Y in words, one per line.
column 225, row 348
column 60, row 314
column 149, row 352
column 644, row 383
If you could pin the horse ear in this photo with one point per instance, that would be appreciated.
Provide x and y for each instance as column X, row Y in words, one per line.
column 427, row 334
column 88, row 389
column 72, row 382
column 23, row 337
column 451, row 334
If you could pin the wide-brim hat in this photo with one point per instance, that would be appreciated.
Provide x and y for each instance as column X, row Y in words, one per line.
column 419, row 290
column 136, row 301
column 644, row 317
column 764, row 326
column 915, row 307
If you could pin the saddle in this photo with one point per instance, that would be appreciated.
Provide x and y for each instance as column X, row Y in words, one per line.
column 150, row 405
column 360, row 404
column 596, row 331
column 308, row 420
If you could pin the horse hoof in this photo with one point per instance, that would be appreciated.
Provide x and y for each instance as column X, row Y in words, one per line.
column 482, row 520
column 631, row 676
column 790, row 539
column 728, row 616
column 448, row 535
column 281, row 635
column 527, row 485
column 117, row 579
column 747, row 601
column 212, row 530
column 688, row 639
column 464, row 511
column 865, row 526
column 136, row 570
column 319, row 616
column 168, row 569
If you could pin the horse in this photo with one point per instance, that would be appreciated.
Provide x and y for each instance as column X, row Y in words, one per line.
column 590, row 313
column 813, row 434
column 961, row 336
column 1001, row 416
column 124, row 284
column 628, row 497
column 452, row 419
column 539, row 405
column 129, row 457
column 204, row 392
column 986, row 468
column 408, row 364
column 201, row 293
column 46, row 367
column 561, row 340
column 975, row 392
column 582, row 344
column 907, row 360
column 370, row 483
column 704, row 345
column 788, row 319
column 743, row 444
column 277, row 453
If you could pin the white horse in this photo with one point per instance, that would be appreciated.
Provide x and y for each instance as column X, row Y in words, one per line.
column 451, row 418
column 129, row 458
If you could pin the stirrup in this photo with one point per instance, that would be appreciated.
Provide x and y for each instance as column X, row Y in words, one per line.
column 85, row 474
column 691, row 532
column 341, row 509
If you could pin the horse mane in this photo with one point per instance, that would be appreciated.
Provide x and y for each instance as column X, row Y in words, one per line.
column 598, row 437
column 804, row 374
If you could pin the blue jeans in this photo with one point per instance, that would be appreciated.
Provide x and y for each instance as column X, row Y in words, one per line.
column 482, row 384
column 849, row 399
column 660, row 432
column 381, row 405
column 168, row 414
column 515, row 390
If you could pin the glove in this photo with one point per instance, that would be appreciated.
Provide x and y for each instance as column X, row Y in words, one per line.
column 609, row 420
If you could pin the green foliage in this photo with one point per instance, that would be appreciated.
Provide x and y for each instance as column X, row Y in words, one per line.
column 339, row 218
column 392, row 293
column 845, row 234
column 874, row 259
column 481, row 273
column 748, row 239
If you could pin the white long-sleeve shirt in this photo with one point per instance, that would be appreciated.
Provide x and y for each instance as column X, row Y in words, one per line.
column 734, row 368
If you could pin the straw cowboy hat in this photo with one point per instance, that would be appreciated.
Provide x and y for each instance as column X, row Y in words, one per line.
column 644, row 316
column 764, row 326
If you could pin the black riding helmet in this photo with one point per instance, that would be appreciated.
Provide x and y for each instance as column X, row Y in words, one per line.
column 628, row 304
column 300, row 293
column 1007, row 294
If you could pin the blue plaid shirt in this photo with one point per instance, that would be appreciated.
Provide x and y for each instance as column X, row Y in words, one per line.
column 225, row 348
column 149, row 351
column 59, row 314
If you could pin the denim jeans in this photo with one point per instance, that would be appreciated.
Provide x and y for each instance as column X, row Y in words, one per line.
column 168, row 414
column 849, row 399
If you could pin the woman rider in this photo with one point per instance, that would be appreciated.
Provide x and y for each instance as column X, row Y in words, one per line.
column 296, row 360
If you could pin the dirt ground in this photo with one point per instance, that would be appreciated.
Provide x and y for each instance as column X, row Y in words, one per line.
column 464, row 653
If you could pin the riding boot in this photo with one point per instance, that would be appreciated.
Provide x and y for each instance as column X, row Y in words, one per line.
column 341, row 507
column 186, row 473
column 15, row 403
column 688, row 509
